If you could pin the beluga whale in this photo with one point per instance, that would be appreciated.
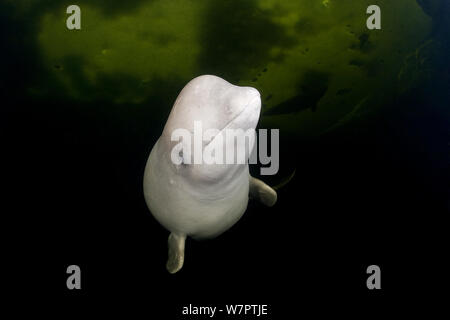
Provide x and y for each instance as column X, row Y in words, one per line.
column 188, row 193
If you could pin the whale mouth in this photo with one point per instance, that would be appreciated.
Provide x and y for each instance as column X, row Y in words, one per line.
column 253, row 116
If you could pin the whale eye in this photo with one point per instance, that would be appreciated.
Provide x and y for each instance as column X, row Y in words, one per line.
column 182, row 158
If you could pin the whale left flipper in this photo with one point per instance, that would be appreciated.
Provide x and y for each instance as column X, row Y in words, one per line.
column 176, row 252
column 262, row 192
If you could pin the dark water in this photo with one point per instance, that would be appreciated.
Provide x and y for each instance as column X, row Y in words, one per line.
column 370, row 188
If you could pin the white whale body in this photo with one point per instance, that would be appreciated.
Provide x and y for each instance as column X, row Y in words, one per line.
column 203, row 200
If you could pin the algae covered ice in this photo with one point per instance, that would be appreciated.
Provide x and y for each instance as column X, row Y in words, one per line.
column 315, row 63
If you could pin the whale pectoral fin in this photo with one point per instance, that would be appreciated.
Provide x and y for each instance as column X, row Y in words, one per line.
column 261, row 191
column 176, row 252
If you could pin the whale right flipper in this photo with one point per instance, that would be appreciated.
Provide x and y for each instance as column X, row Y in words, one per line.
column 262, row 192
column 176, row 252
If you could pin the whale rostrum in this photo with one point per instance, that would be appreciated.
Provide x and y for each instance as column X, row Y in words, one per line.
column 202, row 200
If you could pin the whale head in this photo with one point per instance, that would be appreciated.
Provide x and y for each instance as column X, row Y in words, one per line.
column 202, row 199
column 216, row 106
